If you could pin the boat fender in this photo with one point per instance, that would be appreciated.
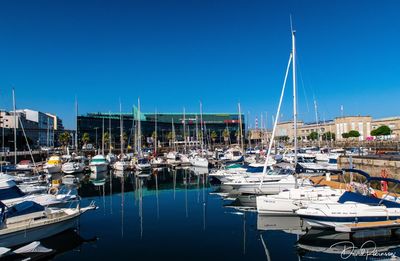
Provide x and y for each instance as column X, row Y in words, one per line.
column 53, row 190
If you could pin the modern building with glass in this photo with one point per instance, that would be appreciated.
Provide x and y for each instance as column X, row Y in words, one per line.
column 92, row 123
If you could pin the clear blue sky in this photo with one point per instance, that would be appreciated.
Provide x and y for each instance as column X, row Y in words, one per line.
column 174, row 53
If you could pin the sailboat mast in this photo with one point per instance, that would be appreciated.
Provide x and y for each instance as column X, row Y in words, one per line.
column 184, row 128
column 102, row 137
column 317, row 122
column 241, row 129
column 76, row 125
column 121, row 129
column 109, row 131
column 15, row 127
column 155, row 135
column 294, row 96
column 201, row 126
column 139, row 131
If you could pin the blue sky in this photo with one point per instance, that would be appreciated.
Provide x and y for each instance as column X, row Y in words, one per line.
column 175, row 53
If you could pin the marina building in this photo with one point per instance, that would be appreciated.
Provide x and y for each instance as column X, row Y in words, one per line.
column 214, row 125
column 363, row 124
column 40, row 128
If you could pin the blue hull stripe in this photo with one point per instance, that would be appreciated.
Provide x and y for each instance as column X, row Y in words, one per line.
column 349, row 219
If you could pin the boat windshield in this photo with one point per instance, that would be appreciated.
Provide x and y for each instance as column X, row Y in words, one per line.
column 24, row 208
column 11, row 192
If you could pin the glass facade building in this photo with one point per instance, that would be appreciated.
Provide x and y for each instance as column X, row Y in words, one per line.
column 92, row 123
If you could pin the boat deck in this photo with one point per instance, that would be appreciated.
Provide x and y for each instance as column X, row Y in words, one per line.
column 389, row 224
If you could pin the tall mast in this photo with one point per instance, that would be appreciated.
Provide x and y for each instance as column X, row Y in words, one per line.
column 294, row 96
column 109, row 131
column 76, row 126
column 102, row 137
column 139, row 131
column 155, row 134
column 173, row 133
column 121, row 126
column 316, row 120
column 184, row 128
column 240, row 129
column 197, row 132
column 15, row 127
column 201, row 127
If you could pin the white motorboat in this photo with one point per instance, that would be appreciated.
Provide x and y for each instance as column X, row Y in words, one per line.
column 288, row 201
column 198, row 161
column 269, row 186
column 337, row 214
column 98, row 164
column 25, row 165
column 11, row 194
column 29, row 221
column 141, row 164
column 53, row 165
column 74, row 165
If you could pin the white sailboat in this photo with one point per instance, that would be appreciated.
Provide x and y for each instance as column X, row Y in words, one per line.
column 122, row 163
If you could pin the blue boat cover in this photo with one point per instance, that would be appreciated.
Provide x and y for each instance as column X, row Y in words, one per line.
column 11, row 192
column 24, row 208
column 356, row 197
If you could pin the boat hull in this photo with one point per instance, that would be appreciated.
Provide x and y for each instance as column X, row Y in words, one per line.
column 98, row 168
column 37, row 233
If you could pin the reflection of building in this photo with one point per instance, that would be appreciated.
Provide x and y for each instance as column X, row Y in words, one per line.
column 213, row 122
column 363, row 124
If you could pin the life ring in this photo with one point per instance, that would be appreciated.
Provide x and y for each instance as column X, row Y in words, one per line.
column 53, row 190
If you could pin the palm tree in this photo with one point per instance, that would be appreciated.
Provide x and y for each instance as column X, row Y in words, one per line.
column 106, row 137
column 226, row 135
column 85, row 138
column 64, row 138
column 213, row 136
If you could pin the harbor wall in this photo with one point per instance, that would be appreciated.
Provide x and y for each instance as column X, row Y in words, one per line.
column 373, row 164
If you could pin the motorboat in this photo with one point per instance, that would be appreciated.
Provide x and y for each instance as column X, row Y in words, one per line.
column 269, row 186
column 74, row 165
column 53, row 165
column 288, row 201
column 28, row 221
column 141, row 164
column 333, row 215
column 25, row 165
column 11, row 194
column 98, row 164
column 232, row 155
column 198, row 161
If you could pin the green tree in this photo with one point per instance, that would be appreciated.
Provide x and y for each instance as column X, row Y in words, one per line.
column 282, row 138
column 345, row 135
column 170, row 136
column 329, row 136
column 354, row 134
column 226, row 135
column 106, row 137
column 85, row 138
column 313, row 136
column 381, row 131
column 213, row 136
column 64, row 138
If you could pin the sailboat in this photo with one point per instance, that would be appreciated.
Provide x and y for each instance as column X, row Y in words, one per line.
column 270, row 187
column 141, row 163
column 122, row 163
column 198, row 160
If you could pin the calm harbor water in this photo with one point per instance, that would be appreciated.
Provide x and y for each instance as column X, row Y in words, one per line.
column 178, row 216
